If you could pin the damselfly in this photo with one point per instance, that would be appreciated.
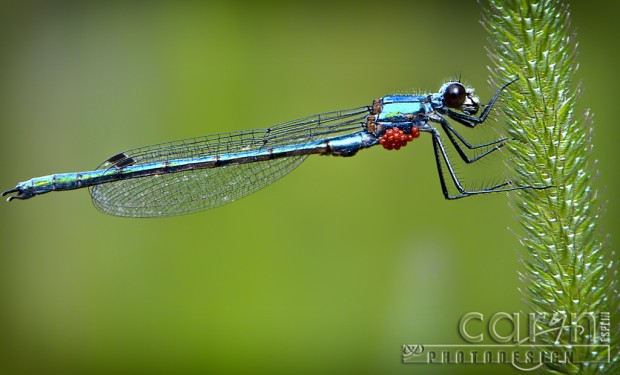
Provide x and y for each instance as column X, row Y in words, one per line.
column 206, row 172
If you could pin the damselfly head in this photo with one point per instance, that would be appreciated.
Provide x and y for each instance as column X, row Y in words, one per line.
column 457, row 96
column 472, row 103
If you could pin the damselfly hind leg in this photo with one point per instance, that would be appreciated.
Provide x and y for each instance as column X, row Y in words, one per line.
column 441, row 156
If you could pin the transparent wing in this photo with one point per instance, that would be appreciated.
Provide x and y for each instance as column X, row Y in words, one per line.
column 188, row 191
column 194, row 190
column 297, row 131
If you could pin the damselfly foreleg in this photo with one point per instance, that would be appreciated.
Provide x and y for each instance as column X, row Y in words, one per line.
column 472, row 121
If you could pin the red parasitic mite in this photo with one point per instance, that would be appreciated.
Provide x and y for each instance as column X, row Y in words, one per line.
column 395, row 138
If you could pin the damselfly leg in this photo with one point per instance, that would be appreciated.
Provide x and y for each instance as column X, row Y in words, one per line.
column 471, row 121
column 454, row 136
column 452, row 133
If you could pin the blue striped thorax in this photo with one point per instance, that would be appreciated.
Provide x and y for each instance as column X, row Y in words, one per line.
column 403, row 112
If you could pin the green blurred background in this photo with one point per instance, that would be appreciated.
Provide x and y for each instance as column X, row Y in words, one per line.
column 331, row 269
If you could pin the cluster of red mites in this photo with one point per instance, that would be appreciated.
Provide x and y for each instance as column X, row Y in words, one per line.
column 394, row 138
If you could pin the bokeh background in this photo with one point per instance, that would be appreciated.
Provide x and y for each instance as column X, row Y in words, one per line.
column 331, row 269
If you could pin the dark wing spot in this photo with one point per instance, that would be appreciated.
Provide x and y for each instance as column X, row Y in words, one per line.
column 120, row 160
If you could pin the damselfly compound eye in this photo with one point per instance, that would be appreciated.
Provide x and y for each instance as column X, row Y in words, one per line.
column 455, row 95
